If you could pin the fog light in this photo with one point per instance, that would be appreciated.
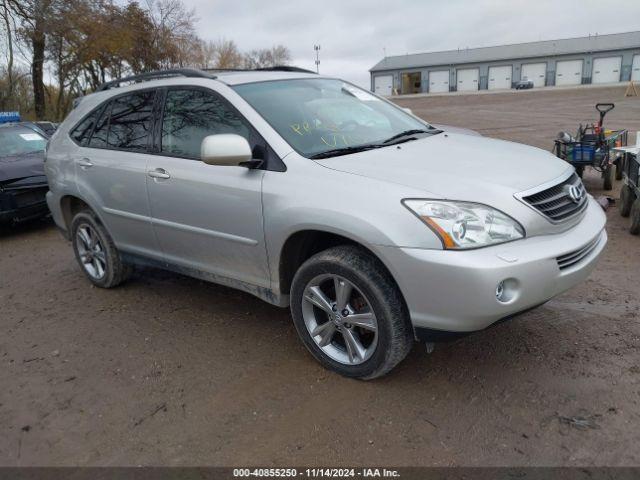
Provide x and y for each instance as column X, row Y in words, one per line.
column 507, row 290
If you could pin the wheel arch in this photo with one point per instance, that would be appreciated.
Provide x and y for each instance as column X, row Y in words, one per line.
column 70, row 205
column 303, row 244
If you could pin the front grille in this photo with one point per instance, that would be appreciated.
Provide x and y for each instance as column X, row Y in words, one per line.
column 555, row 203
column 570, row 259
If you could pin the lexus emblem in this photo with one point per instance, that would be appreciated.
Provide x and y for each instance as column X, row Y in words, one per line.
column 575, row 194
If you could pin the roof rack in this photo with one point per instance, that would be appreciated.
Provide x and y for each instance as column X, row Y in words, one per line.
column 285, row 68
column 143, row 77
column 277, row 68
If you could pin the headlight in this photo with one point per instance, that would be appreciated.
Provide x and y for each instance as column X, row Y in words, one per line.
column 463, row 225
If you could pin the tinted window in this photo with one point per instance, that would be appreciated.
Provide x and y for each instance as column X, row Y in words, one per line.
column 130, row 122
column 191, row 115
column 82, row 132
column 99, row 137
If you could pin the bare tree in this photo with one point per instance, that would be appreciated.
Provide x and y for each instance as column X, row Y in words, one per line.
column 9, row 32
column 21, row 98
column 277, row 55
column 34, row 15
column 173, row 31
column 227, row 54
column 83, row 43
column 280, row 55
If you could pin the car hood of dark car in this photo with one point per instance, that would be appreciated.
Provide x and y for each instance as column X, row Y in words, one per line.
column 14, row 167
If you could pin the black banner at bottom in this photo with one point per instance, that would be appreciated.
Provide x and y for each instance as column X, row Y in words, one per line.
column 408, row 473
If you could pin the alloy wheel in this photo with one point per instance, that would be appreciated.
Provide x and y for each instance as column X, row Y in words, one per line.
column 90, row 251
column 340, row 319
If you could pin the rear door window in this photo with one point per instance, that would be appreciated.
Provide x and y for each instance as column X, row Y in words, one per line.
column 130, row 121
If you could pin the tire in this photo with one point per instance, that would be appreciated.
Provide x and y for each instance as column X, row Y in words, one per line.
column 374, row 293
column 607, row 176
column 619, row 168
column 626, row 200
column 634, row 229
column 95, row 251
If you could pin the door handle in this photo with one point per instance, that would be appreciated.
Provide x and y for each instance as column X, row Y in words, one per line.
column 85, row 163
column 159, row 173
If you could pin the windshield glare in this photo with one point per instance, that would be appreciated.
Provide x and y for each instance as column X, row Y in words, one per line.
column 318, row 115
column 20, row 140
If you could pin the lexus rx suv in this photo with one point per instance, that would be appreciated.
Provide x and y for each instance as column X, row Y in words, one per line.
column 374, row 227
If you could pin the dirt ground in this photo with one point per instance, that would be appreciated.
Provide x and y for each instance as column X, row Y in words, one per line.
column 167, row 370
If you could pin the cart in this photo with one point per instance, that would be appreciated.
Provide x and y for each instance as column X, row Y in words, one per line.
column 630, row 192
column 592, row 147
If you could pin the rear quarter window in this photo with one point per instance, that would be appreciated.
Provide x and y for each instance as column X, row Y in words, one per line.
column 82, row 132
column 99, row 137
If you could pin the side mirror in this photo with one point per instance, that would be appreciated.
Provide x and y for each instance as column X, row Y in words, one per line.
column 225, row 149
column 408, row 110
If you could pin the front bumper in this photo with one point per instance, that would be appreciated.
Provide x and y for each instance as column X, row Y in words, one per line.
column 23, row 201
column 455, row 291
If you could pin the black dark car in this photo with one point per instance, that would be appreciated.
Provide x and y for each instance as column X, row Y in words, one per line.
column 23, row 185
column 49, row 128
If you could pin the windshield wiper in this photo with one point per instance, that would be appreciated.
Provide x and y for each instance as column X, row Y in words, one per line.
column 345, row 151
column 399, row 138
column 408, row 133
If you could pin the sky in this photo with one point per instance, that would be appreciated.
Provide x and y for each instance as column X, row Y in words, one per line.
column 355, row 34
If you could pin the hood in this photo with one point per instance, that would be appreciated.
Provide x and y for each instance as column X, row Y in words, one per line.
column 456, row 166
column 14, row 167
column 451, row 129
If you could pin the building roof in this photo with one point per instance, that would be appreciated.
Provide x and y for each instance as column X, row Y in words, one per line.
column 566, row 46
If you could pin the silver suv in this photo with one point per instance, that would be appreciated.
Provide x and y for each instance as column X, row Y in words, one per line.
column 374, row 227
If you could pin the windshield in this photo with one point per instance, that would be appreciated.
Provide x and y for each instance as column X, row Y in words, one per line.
column 20, row 140
column 319, row 115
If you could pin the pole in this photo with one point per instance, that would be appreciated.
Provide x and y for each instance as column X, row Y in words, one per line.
column 317, row 49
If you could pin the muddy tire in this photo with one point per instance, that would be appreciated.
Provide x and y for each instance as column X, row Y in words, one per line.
column 350, row 314
column 619, row 168
column 626, row 200
column 607, row 176
column 95, row 251
column 634, row 229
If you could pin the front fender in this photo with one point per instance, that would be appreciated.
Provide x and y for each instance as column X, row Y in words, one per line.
column 364, row 210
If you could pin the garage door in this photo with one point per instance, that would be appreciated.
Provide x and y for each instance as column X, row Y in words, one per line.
column 569, row 72
column 606, row 70
column 635, row 69
column 468, row 79
column 383, row 85
column 439, row 81
column 499, row 77
column 536, row 72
